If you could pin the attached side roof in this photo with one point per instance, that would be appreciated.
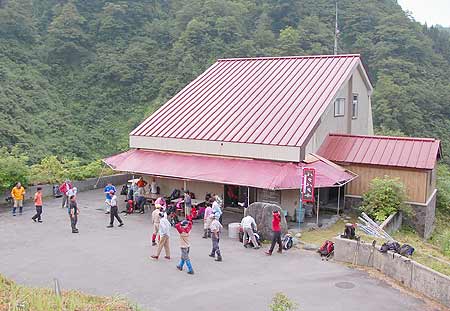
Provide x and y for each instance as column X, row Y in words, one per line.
column 269, row 100
column 407, row 152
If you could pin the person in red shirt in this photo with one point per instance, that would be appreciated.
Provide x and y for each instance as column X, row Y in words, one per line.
column 276, row 220
column 38, row 204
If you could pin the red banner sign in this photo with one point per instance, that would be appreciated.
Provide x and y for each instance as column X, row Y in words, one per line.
column 309, row 179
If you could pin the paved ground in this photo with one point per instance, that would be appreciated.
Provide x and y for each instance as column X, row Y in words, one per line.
column 116, row 261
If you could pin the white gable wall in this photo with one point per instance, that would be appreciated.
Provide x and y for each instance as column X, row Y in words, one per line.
column 361, row 125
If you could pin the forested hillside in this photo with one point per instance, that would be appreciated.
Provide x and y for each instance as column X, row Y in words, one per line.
column 77, row 75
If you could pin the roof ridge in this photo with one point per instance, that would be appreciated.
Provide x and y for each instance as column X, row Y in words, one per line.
column 287, row 57
column 387, row 137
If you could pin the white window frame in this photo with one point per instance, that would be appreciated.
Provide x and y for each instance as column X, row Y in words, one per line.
column 339, row 107
column 355, row 104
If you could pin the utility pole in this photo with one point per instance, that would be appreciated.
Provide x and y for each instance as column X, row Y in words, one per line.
column 336, row 31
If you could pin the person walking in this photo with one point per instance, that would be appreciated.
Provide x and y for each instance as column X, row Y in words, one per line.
column 216, row 229
column 38, row 204
column 207, row 219
column 184, row 229
column 65, row 188
column 18, row 195
column 155, row 221
column 114, row 210
column 73, row 213
column 248, row 224
column 216, row 207
column 164, row 233
column 276, row 220
column 108, row 196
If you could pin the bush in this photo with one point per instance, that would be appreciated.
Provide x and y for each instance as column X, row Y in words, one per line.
column 385, row 197
column 13, row 168
column 280, row 302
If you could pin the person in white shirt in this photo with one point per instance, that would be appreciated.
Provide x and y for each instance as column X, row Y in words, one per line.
column 248, row 224
column 164, row 233
column 216, row 228
column 114, row 210
column 154, row 187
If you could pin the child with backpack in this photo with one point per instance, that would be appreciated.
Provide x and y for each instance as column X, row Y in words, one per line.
column 183, row 229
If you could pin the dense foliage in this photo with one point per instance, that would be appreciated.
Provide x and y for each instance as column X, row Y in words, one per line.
column 76, row 76
column 384, row 198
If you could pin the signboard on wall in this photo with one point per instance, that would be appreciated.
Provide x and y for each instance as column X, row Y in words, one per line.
column 309, row 179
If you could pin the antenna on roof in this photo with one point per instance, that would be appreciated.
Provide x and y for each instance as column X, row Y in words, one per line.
column 336, row 31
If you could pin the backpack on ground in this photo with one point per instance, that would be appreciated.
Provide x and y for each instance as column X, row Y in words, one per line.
column 326, row 249
column 287, row 242
column 390, row 246
column 406, row 250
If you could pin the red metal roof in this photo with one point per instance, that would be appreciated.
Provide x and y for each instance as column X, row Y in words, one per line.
column 243, row 172
column 409, row 152
column 271, row 101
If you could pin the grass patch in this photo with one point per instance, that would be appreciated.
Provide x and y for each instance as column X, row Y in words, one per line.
column 318, row 236
column 14, row 297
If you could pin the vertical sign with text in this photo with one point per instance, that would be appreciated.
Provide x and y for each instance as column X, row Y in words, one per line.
column 309, row 179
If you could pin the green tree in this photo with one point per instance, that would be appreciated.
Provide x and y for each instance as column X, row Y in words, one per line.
column 384, row 197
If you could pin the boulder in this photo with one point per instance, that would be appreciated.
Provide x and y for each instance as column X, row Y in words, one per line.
column 262, row 213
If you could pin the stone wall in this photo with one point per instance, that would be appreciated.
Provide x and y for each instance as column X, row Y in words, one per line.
column 393, row 223
column 82, row 185
column 410, row 273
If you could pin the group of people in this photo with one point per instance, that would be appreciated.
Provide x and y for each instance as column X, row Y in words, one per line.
column 212, row 221
column 161, row 232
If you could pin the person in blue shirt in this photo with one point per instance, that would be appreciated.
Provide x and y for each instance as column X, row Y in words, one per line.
column 107, row 191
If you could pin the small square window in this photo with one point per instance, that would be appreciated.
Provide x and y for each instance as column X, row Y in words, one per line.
column 355, row 106
column 339, row 106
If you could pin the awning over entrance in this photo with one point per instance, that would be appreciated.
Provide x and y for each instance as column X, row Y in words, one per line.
column 237, row 171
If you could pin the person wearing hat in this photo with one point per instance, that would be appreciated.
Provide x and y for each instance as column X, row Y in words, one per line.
column 18, row 195
column 114, row 210
column 155, row 221
column 164, row 233
column 183, row 229
column 276, row 220
column 216, row 228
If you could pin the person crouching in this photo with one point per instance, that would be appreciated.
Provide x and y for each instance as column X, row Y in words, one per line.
column 183, row 229
column 216, row 228
column 164, row 233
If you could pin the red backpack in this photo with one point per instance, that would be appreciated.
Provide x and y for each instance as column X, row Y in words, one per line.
column 326, row 249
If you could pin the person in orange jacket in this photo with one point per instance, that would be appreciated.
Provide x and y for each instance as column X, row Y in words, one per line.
column 18, row 195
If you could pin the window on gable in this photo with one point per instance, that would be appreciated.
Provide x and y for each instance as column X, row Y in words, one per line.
column 355, row 106
column 339, row 106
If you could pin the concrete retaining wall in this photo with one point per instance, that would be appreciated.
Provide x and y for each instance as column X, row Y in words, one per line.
column 82, row 185
column 392, row 223
column 410, row 273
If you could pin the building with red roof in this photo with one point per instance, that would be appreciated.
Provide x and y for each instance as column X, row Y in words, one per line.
column 252, row 124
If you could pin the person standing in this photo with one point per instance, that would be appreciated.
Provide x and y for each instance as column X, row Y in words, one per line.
column 155, row 221
column 164, row 233
column 276, row 220
column 183, row 229
column 207, row 222
column 107, row 190
column 216, row 208
column 140, row 200
column 216, row 229
column 18, row 195
column 114, row 210
column 187, row 203
column 64, row 188
column 73, row 213
column 248, row 224
column 153, row 187
column 141, row 183
column 38, row 204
